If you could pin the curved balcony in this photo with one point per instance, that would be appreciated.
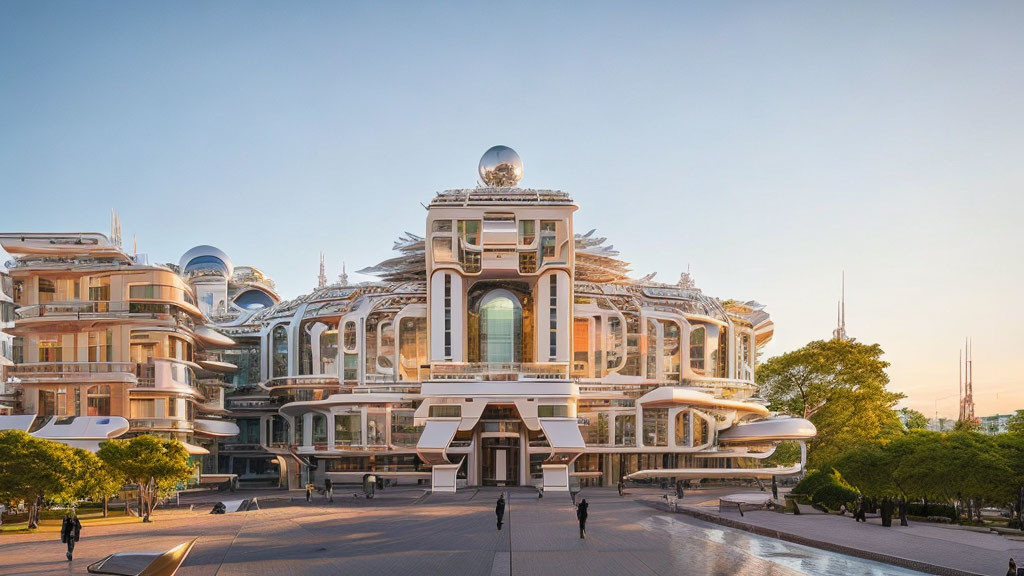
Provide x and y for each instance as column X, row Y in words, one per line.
column 75, row 371
column 93, row 311
column 169, row 374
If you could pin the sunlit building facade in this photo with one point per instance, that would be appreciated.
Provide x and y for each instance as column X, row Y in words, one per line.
column 498, row 347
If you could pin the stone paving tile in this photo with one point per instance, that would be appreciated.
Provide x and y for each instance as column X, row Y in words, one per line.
column 440, row 534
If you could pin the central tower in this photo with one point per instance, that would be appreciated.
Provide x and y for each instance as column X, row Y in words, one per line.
column 500, row 271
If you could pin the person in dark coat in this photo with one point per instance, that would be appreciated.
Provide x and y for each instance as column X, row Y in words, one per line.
column 903, row 511
column 499, row 510
column 328, row 489
column 679, row 490
column 775, row 489
column 887, row 509
column 70, row 531
column 1013, row 568
column 581, row 515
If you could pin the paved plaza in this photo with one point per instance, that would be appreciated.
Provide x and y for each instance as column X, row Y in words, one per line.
column 404, row 531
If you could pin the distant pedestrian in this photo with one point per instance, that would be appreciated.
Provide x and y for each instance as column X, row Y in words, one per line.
column 581, row 515
column 621, row 489
column 309, row 492
column 499, row 510
column 775, row 489
column 328, row 489
column 679, row 490
column 71, row 530
column 1013, row 568
column 903, row 511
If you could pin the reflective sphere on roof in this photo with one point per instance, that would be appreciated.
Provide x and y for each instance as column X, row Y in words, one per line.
column 500, row 166
column 206, row 259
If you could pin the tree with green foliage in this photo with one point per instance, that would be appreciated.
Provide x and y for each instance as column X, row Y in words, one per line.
column 912, row 419
column 95, row 480
column 840, row 386
column 1015, row 425
column 154, row 464
column 34, row 470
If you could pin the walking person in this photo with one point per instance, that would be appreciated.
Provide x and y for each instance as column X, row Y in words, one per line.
column 1013, row 568
column 499, row 510
column 328, row 489
column 309, row 492
column 581, row 515
column 70, row 531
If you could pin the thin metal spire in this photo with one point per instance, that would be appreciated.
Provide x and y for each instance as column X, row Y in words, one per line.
column 323, row 272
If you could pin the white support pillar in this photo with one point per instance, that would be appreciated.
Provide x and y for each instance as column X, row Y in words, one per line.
column 443, row 477
column 556, row 477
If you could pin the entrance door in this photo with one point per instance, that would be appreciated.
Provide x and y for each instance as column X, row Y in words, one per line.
column 499, row 461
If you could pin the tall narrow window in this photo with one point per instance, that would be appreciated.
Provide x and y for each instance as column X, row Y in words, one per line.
column 447, row 317
column 652, row 350
column 697, row 340
column 548, row 229
column 553, row 296
column 722, row 363
column 279, row 357
column 581, row 347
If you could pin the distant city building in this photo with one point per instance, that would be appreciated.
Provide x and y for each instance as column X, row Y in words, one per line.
column 498, row 348
column 995, row 424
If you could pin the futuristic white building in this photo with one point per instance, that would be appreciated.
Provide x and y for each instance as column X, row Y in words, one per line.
column 499, row 347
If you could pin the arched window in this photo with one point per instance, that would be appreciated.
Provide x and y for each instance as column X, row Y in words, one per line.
column 97, row 400
column 501, row 327
column 279, row 358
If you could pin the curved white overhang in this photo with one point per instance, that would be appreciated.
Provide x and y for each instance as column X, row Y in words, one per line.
column 211, row 337
column 694, row 473
column 194, row 450
column 434, row 440
column 669, row 396
column 772, row 429
column 217, row 366
column 84, row 432
column 294, row 409
column 215, row 427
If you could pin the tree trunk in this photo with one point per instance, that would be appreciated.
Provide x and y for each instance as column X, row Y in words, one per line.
column 104, row 506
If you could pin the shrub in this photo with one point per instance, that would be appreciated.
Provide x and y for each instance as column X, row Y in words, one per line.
column 834, row 495
column 812, row 481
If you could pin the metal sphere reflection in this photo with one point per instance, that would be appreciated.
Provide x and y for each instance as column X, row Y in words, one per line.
column 500, row 166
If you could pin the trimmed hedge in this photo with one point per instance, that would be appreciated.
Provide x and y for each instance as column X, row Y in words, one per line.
column 826, row 489
column 812, row 481
column 834, row 495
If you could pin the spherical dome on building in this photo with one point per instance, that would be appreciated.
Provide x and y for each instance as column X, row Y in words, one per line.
column 206, row 258
column 500, row 166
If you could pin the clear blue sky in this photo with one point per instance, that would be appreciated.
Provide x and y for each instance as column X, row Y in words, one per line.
column 767, row 145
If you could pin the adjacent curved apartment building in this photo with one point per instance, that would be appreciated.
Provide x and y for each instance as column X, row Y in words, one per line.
column 498, row 347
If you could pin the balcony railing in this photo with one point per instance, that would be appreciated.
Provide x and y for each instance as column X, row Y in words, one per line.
column 302, row 382
column 160, row 424
column 497, row 371
column 89, row 310
column 70, row 369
